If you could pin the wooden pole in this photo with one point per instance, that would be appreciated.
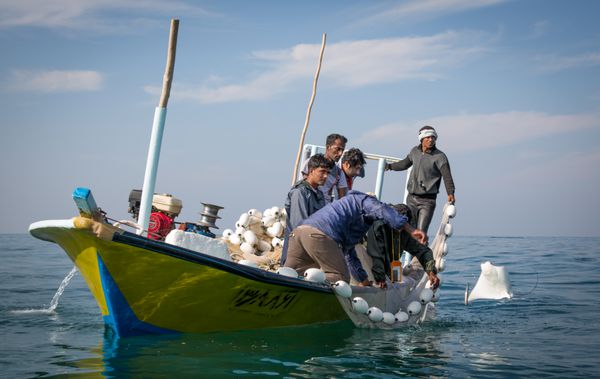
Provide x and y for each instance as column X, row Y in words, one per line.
column 168, row 77
column 310, row 104
column 158, row 126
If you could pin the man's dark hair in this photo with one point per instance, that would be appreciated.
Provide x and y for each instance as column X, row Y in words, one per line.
column 319, row 161
column 354, row 157
column 333, row 137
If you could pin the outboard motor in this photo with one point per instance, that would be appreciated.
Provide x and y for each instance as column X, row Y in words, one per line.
column 165, row 208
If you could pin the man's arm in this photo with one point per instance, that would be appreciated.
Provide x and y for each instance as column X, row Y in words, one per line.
column 342, row 184
column 448, row 181
column 298, row 208
column 356, row 269
column 400, row 165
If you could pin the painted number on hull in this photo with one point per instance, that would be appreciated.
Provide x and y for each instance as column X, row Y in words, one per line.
column 263, row 301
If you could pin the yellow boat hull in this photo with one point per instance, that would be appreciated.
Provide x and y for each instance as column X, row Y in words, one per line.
column 144, row 286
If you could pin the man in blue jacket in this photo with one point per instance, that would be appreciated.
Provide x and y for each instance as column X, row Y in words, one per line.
column 327, row 238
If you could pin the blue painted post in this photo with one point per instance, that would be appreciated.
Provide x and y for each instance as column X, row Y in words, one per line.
column 158, row 127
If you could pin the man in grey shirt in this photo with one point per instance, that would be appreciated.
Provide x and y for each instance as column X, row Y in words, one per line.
column 335, row 186
column 430, row 165
column 305, row 198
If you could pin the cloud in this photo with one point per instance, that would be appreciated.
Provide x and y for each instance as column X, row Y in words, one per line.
column 55, row 81
column 425, row 9
column 472, row 132
column 539, row 29
column 552, row 63
column 99, row 15
column 348, row 64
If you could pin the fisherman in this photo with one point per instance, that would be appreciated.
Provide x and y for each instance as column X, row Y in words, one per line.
column 385, row 244
column 336, row 180
column 305, row 198
column 430, row 165
column 353, row 165
column 327, row 238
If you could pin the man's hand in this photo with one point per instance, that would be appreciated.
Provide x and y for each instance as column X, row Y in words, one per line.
column 420, row 236
column 451, row 199
column 434, row 280
column 381, row 285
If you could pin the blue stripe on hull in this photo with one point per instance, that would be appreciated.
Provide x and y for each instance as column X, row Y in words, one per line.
column 120, row 316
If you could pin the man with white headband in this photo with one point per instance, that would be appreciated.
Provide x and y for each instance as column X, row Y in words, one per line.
column 430, row 165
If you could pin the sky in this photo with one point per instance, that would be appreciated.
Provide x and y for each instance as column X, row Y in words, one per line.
column 512, row 88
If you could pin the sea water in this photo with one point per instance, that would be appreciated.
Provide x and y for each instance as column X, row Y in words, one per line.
column 549, row 329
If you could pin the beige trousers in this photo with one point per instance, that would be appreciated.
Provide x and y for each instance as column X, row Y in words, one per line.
column 310, row 248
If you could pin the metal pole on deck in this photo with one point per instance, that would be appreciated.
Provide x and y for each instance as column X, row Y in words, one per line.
column 158, row 126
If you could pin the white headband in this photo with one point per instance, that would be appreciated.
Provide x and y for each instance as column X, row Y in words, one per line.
column 427, row 133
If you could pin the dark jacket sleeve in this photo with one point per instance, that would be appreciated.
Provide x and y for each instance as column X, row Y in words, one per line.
column 448, row 181
column 401, row 165
column 376, row 248
column 423, row 253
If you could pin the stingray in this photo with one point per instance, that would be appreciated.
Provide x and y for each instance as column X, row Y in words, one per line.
column 493, row 284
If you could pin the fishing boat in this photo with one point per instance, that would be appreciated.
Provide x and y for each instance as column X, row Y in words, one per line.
column 143, row 284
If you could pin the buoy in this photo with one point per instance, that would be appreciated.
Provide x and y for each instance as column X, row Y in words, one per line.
column 243, row 221
column 235, row 239
column 414, row 308
column 239, row 231
column 389, row 318
column 401, row 316
column 375, row 314
column 256, row 213
column 448, row 229
column 314, row 275
column 436, row 296
column 247, row 248
column 275, row 230
column 426, row 295
column 227, row 233
column 287, row 271
column 268, row 221
column 451, row 210
column 246, row 262
column 342, row 289
column 263, row 246
column 359, row 305
column 441, row 265
column 276, row 242
column 282, row 214
column 250, row 238
column 275, row 211
column 267, row 213
column 445, row 249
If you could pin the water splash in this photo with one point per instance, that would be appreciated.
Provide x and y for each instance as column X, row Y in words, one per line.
column 57, row 295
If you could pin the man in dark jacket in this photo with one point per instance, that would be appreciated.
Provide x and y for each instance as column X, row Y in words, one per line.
column 385, row 244
column 429, row 166
column 305, row 198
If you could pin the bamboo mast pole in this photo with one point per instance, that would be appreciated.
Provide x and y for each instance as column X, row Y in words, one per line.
column 310, row 104
column 158, row 126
